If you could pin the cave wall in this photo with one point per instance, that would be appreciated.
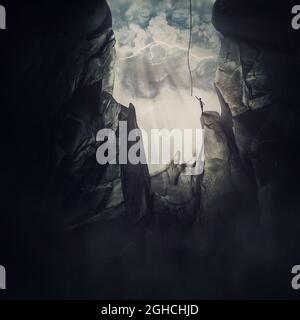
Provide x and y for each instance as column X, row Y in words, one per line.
column 257, row 80
column 59, row 78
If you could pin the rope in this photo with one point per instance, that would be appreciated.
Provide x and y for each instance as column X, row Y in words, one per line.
column 189, row 48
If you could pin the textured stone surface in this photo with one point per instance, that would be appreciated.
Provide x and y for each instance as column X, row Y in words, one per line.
column 226, row 190
column 176, row 193
column 257, row 85
column 59, row 85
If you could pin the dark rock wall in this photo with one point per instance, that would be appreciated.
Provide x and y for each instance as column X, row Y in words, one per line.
column 257, row 81
column 59, row 80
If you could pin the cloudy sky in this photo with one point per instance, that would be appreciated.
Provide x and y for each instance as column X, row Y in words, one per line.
column 152, row 73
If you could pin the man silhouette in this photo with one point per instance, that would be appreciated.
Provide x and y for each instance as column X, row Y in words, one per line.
column 202, row 104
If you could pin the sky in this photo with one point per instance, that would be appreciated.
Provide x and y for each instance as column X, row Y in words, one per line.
column 152, row 38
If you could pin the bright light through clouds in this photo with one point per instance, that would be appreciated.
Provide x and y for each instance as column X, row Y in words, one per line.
column 151, row 71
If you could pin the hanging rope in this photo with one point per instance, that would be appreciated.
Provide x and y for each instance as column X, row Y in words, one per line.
column 189, row 48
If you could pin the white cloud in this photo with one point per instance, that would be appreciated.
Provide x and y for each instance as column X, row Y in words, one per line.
column 166, row 20
column 152, row 70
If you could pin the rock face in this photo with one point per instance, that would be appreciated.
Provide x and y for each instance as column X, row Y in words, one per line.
column 59, row 93
column 175, row 193
column 256, row 82
column 65, row 72
column 226, row 189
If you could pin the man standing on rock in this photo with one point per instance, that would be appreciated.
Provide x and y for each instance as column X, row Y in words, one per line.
column 202, row 104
